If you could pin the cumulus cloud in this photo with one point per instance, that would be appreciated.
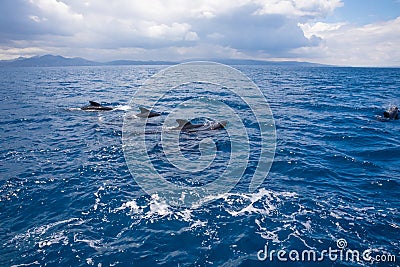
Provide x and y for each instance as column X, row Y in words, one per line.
column 271, row 34
column 374, row 44
column 309, row 8
column 179, row 29
column 56, row 9
column 319, row 29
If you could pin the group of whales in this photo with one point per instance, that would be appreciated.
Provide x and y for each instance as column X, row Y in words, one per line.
column 183, row 125
column 391, row 114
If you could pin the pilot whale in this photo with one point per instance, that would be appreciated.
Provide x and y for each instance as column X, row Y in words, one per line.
column 392, row 113
column 145, row 113
column 94, row 106
column 187, row 126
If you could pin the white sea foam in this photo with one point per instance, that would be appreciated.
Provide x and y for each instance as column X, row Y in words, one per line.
column 41, row 236
column 244, row 203
column 123, row 107
column 41, row 230
column 263, row 202
column 26, row 264
column 73, row 109
column 96, row 244
column 158, row 207
column 97, row 195
column 55, row 238
column 132, row 205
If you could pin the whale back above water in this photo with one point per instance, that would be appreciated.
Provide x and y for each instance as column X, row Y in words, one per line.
column 187, row 126
column 145, row 113
column 392, row 113
column 94, row 106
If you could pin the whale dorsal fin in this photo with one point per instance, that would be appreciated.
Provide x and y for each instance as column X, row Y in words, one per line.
column 144, row 110
column 182, row 122
column 92, row 103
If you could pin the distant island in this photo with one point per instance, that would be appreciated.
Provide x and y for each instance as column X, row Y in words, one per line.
column 60, row 61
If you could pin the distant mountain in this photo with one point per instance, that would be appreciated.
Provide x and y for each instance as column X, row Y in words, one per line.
column 47, row 61
column 58, row 61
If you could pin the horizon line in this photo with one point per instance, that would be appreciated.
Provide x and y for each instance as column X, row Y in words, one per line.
column 170, row 62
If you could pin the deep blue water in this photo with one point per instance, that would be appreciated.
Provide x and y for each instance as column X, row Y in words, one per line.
column 67, row 196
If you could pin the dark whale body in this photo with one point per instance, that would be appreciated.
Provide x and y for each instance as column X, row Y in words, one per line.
column 94, row 106
column 392, row 113
column 145, row 113
column 187, row 126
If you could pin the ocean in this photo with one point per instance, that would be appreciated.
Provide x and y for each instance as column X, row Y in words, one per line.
column 68, row 196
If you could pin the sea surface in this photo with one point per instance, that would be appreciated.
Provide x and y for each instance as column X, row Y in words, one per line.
column 67, row 196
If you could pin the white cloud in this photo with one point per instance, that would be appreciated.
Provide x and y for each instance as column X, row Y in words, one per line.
column 319, row 29
column 37, row 19
column 57, row 8
column 172, row 23
column 7, row 53
column 171, row 29
column 313, row 8
column 373, row 44
column 173, row 32
column 191, row 36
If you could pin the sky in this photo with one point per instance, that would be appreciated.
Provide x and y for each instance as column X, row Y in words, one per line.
column 338, row 32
